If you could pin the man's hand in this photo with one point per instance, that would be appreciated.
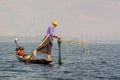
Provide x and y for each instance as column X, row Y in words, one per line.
column 57, row 36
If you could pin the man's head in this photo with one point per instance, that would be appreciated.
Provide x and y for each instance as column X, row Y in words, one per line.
column 55, row 23
column 19, row 48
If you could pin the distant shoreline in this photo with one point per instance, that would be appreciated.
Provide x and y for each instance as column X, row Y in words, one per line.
column 37, row 39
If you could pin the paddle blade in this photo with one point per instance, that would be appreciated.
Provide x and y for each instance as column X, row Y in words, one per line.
column 60, row 60
column 59, row 48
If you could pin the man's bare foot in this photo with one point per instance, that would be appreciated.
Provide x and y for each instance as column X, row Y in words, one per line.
column 34, row 53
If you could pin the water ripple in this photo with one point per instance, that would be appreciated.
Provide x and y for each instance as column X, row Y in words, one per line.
column 101, row 63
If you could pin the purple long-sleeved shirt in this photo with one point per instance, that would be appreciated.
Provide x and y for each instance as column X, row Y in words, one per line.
column 51, row 31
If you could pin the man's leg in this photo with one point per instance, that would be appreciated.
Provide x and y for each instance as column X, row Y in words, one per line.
column 49, row 57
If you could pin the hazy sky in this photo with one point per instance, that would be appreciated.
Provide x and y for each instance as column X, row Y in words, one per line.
column 83, row 19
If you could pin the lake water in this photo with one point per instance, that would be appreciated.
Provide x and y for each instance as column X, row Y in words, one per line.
column 99, row 62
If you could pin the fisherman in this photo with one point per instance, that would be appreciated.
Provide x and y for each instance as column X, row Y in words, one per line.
column 20, row 51
column 47, row 42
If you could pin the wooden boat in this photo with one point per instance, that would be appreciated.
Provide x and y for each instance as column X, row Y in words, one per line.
column 34, row 60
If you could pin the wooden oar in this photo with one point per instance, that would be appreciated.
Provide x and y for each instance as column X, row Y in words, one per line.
column 59, row 47
column 33, row 53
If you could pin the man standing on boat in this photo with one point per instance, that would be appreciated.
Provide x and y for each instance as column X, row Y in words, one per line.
column 47, row 42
